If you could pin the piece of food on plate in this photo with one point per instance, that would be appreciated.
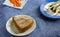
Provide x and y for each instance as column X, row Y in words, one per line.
column 53, row 8
column 49, row 8
column 16, row 3
column 23, row 23
column 57, row 11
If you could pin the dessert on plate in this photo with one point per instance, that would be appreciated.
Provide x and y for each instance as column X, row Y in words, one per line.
column 21, row 25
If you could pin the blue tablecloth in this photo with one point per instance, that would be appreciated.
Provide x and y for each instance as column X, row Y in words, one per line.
column 44, row 28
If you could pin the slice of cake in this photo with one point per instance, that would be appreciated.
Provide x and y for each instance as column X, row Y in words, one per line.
column 23, row 23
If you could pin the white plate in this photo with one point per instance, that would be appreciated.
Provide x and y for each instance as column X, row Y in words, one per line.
column 8, row 3
column 13, row 30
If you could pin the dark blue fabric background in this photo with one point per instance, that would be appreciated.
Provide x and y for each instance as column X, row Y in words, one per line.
column 44, row 28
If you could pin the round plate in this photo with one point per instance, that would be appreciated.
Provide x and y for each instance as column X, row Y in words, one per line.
column 13, row 30
column 45, row 13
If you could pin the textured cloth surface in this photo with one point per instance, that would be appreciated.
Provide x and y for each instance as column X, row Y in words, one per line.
column 44, row 26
